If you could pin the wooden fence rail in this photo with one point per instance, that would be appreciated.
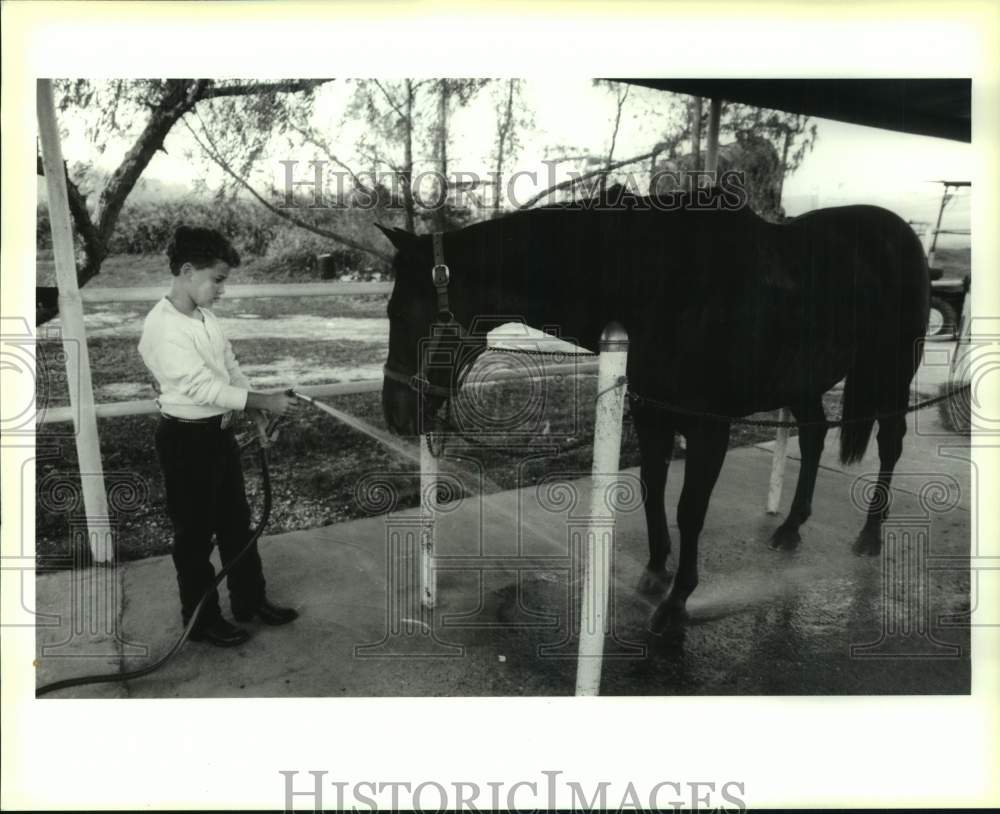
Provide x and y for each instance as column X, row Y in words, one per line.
column 52, row 415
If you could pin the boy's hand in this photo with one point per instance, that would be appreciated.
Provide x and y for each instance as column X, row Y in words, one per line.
column 278, row 403
column 282, row 404
column 264, row 424
column 260, row 421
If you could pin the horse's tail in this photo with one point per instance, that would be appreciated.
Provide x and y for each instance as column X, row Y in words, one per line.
column 890, row 318
column 859, row 404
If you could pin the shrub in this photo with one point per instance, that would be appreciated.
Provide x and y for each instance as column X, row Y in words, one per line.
column 146, row 227
column 43, row 229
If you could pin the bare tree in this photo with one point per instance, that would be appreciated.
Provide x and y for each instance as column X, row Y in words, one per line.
column 451, row 94
column 621, row 96
column 391, row 114
column 621, row 91
column 792, row 135
column 505, row 137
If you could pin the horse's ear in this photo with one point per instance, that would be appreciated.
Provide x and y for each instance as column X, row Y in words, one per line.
column 399, row 238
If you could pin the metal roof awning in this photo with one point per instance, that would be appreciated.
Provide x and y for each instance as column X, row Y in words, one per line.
column 941, row 108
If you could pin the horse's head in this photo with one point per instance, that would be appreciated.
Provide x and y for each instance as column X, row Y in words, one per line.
column 424, row 338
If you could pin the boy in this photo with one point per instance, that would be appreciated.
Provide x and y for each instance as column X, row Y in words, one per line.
column 201, row 386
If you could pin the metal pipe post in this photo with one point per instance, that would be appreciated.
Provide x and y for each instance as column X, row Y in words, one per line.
column 428, row 516
column 599, row 540
column 778, row 464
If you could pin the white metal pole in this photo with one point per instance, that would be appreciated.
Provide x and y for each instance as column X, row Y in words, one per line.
column 778, row 464
column 599, row 541
column 937, row 227
column 74, row 337
column 960, row 363
column 428, row 518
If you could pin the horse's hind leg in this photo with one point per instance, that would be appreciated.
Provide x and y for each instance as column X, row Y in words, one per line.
column 656, row 442
column 707, row 446
column 890, row 446
column 812, row 434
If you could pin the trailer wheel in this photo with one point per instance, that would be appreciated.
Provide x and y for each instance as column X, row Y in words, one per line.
column 942, row 320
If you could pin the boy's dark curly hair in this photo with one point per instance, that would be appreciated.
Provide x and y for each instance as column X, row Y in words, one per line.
column 200, row 247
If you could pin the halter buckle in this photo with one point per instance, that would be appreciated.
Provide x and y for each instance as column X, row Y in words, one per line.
column 419, row 383
column 440, row 275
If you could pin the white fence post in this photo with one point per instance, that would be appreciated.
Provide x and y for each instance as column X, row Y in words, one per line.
column 599, row 540
column 428, row 519
column 74, row 337
column 778, row 464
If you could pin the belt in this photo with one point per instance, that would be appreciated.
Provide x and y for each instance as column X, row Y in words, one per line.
column 221, row 421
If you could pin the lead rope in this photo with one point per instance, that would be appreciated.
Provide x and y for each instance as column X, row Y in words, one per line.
column 641, row 400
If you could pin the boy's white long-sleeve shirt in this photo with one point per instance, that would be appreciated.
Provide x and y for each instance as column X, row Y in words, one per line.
column 193, row 363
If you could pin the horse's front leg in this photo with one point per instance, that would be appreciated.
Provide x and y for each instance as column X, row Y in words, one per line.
column 656, row 443
column 706, row 450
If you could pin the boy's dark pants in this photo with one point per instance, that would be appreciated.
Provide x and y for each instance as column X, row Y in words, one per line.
column 205, row 495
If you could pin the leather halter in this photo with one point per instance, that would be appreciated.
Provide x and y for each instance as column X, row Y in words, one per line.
column 445, row 319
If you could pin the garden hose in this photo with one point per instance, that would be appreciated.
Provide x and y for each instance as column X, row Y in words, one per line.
column 81, row 681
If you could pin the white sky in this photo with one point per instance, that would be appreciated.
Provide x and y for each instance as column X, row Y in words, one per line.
column 849, row 164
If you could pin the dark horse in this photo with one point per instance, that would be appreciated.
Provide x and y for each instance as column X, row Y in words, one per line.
column 727, row 315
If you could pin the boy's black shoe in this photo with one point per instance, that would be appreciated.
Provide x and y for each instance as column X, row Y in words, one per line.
column 220, row 633
column 269, row 614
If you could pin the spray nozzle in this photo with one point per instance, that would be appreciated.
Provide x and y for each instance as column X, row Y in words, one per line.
column 295, row 394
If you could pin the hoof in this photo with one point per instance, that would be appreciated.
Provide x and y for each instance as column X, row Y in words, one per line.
column 654, row 583
column 785, row 539
column 667, row 616
column 868, row 544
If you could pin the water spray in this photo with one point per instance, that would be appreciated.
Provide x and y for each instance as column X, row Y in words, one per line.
column 398, row 445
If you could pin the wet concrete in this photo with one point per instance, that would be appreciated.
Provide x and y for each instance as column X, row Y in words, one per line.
column 817, row 621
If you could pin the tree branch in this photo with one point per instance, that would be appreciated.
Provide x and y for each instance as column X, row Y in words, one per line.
column 311, row 137
column 211, row 152
column 622, row 97
column 392, row 102
column 292, row 86
column 572, row 182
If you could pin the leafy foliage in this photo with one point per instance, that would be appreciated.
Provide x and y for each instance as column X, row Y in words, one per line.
column 145, row 227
